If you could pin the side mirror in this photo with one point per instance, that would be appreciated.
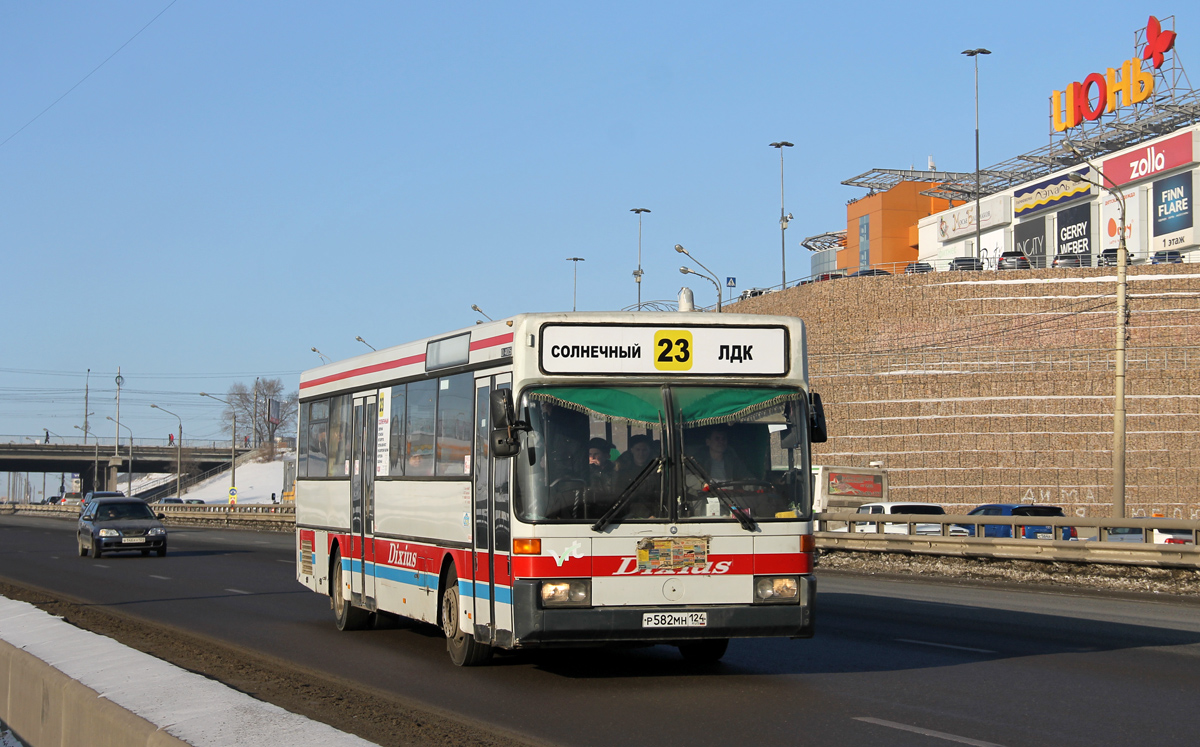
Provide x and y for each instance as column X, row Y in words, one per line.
column 818, row 433
column 160, row 517
column 503, row 413
column 505, row 425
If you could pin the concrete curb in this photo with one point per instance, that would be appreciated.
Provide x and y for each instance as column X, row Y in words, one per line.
column 61, row 686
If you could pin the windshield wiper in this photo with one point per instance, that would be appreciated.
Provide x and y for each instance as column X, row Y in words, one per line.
column 741, row 514
column 627, row 494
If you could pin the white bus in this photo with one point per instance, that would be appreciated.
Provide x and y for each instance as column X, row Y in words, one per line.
column 567, row 479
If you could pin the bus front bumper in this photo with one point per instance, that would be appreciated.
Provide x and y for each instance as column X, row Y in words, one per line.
column 535, row 626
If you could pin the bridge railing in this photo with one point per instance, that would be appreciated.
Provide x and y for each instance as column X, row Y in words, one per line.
column 107, row 441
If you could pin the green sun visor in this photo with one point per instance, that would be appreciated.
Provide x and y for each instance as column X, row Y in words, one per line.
column 697, row 406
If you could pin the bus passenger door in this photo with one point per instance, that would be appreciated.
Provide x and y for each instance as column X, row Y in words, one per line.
column 491, row 535
column 362, row 502
column 481, row 535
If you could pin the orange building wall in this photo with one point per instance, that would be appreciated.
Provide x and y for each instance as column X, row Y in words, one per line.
column 893, row 220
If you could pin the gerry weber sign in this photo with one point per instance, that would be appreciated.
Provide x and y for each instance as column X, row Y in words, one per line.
column 613, row 349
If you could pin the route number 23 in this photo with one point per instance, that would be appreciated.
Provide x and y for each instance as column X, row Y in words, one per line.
column 673, row 350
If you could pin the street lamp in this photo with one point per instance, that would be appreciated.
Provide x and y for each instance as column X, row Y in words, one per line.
column 978, row 218
column 233, row 439
column 575, row 292
column 783, row 218
column 178, row 454
column 120, row 380
column 324, row 358
column 711, row 275
column 364, row 342
column 129, row 471
column 1118, row 456
column 637, row 275
column 479, row 311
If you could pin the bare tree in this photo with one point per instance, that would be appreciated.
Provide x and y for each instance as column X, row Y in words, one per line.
column 255, row 418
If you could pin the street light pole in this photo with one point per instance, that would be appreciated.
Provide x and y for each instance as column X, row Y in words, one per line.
column 974, row 53
column 95, row 454
column 574, row 293
column 178, row 454
column 233, row 440
column 129, row 470
column 711, row 275
column 783, row 217
column 324, row 358
column 637, row 276
column 116, row 443
column 1118, row 456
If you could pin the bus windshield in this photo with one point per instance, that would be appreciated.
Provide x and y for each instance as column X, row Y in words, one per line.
column 590, row 448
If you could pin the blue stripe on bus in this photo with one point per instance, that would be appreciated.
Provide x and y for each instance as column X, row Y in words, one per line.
column 413, row 578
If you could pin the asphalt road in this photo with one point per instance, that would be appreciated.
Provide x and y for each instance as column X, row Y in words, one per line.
column 893, row 663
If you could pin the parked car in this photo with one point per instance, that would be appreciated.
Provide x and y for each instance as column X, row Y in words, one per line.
column 918, row 268
column 869, row 272
column 1072, row 260
column 99, row 494
column 120, row 525
column 1029, row 531
column 753, row 293
column 1013, row 261
column 828, row 276
column 1157, row 536
column 1108, row 258
column 1167, row 257
column 966, row 263
column 895, row 507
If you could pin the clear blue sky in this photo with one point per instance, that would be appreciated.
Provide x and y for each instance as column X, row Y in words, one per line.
column 244, row 181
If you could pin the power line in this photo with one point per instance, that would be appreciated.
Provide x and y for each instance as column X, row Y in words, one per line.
column 81, row 80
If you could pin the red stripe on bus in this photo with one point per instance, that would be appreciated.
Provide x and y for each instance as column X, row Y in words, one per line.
column 491, row 342
column 366, row 370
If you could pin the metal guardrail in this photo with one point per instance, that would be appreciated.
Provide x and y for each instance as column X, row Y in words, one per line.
column 270, row 516
column 1098, row 550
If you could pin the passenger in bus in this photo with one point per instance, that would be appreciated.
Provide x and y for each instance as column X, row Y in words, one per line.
column 600, row 469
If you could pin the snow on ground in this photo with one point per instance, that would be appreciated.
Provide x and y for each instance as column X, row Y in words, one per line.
column 255, row 483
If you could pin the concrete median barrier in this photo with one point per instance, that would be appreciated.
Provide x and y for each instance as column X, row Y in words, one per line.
column 61, row 686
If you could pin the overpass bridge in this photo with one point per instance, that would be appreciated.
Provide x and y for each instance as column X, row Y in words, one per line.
column 98, row 464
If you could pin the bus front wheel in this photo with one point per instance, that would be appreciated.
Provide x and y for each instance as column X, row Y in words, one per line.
column 464, row 650
column 347, row 616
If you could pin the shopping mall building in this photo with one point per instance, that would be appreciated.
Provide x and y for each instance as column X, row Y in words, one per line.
column 1124, row 139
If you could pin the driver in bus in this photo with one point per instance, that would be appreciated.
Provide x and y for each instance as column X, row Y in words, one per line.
column 718, row 460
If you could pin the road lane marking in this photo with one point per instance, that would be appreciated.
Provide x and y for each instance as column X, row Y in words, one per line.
column 161, row 578
column 54, row 557
column 99, row 565
column 926, row 732
column 289, row 562
column 239, row 591
column 946, row 645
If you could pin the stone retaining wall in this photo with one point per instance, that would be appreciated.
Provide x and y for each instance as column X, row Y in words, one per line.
column 982, row 387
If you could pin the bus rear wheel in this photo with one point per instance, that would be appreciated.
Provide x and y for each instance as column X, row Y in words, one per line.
column 464, row 650
column 704, row 652
column 346, row 615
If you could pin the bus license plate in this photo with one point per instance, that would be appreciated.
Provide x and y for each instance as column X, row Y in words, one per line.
column 131, row 540
column 674, row 619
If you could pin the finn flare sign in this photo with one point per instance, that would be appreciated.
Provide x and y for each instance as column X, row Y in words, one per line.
column 643, row 350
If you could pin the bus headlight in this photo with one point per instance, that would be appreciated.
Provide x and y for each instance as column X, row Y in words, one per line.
column 778, row 589
column 575, row 592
